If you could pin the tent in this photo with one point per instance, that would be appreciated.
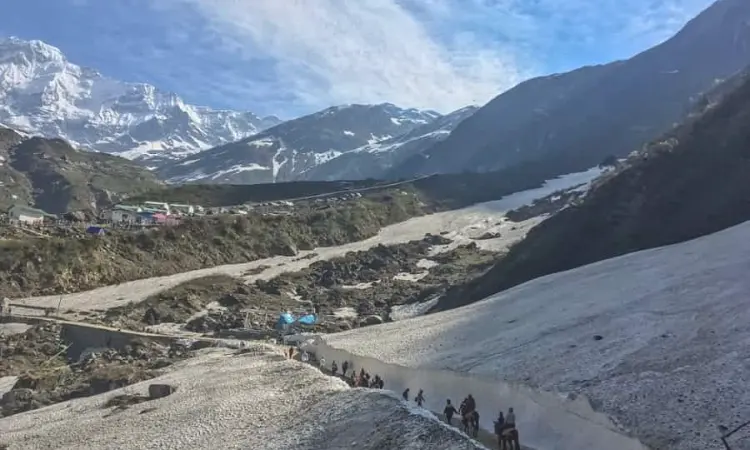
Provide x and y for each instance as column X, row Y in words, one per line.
column 307, row 319
column 96, row 230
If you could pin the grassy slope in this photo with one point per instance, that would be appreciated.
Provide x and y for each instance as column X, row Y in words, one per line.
column 53, row 265
column 53, row 176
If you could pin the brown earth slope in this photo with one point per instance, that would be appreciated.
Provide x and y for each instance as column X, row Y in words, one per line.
column 55, row 177
column 56, row 264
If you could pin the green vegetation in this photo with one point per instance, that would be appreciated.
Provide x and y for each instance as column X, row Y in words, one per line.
column 55, row 177
column 437, row 192
column 55, row 265
column 237, row 194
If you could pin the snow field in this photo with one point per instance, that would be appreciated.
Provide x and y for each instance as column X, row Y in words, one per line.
column 545, row 421
column 652, row 339
column 231, row 400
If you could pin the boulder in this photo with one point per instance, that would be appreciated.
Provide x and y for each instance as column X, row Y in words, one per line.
column 151, row 317
column 371, row 320
column 160, row 390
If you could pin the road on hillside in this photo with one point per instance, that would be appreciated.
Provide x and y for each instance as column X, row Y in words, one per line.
column 359, row 190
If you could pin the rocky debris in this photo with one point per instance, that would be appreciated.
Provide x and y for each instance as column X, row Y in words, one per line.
column 432, row 239
column 46, row 376
column 160, row 390
column 354, row 290
column 488, row 235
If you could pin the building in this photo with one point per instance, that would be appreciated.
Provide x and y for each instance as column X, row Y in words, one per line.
column 124, row 214
column 181, row 209
column 159, row 206
column 26, row 214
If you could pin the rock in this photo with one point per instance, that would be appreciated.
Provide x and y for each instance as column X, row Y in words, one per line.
column 201, row 324
column 151, row 317
column 160, row 390
column 598, row 337
column 436, row 240
column 371, row 320
column 488, row 235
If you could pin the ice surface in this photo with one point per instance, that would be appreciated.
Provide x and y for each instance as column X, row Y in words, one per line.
column 658, row 340
column 225, row 400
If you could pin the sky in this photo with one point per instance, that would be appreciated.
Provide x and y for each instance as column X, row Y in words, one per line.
column 293, row 57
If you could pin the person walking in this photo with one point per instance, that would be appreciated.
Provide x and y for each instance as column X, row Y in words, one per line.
column 419, row 398
column 405, row 395
column 510, row 418
column 344, row 368
column 449, row 411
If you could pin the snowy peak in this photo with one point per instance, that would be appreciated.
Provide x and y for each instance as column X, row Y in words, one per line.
column 42, row 93
column 374, row 160
column 289, row 150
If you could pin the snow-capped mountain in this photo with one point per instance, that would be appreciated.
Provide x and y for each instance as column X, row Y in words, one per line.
column 373, row 160
column 42, row 93
column 289, row 150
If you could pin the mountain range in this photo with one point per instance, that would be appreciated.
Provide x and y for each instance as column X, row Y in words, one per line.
column 553, row 124
column 289, row 150
column 573, row 120
column 42, row 93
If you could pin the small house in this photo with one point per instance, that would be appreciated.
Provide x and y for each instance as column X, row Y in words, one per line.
column 181, row 209
column 124, row 214
column 159, row 206
column 26, row 214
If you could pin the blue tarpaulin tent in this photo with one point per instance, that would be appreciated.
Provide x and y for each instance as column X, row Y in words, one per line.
column 287, row 320
column 307, row 319
column 95, row 230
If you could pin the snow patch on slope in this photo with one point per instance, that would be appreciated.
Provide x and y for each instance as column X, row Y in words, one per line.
column 43, row 94
column 257, row 399
column 660, row 334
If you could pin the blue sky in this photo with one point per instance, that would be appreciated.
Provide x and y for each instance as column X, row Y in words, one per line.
column 290, row 57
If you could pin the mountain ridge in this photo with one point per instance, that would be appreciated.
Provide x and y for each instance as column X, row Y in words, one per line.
column 287, row 151
column 642, row 205
column 42, row 93
column 53, row 176
column 577, row 118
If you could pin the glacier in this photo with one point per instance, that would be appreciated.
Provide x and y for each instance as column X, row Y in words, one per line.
column 652, row 345
column 251, row 398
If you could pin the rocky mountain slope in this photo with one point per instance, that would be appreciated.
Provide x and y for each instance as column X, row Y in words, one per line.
column 691, row 182
column 286, row 151
column 41, row 92
column 374, row 160
column 55, row 177
column 573, row 120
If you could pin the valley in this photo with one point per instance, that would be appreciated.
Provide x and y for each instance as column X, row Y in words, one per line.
column 571, row 252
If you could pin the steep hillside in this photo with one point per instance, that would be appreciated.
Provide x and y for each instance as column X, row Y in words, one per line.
column 573, row 120
column 55, row 177
column 41, row 92
column 692, row 182
column 286, row 151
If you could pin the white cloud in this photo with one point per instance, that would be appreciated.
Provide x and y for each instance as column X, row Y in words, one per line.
column 439, row 54
column 345, row 51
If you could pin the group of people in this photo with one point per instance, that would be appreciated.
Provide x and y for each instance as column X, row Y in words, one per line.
column 505, row 424
column 361, row 379
column 419, row 399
